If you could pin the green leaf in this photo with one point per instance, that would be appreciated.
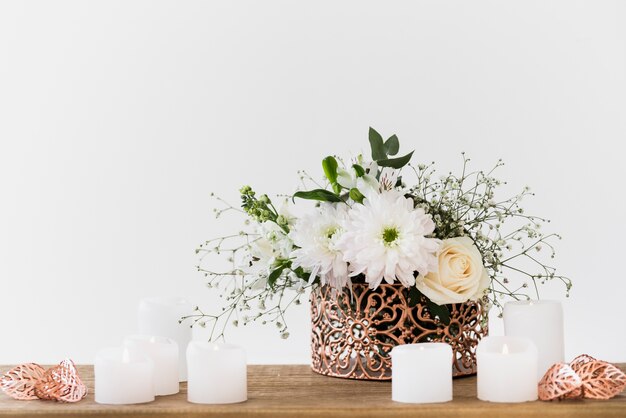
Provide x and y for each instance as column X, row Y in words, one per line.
column 377, row 145
column 415, row 296
column 318, row 194
column 356, row 195
column 274, row 275
column 440, row 311
column 392, row 145
column 329, row 164
column 396, row 162
column 299, row 271
column 360, row 171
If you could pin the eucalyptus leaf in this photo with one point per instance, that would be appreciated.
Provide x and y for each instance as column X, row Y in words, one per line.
column 396, row 162
column 392, row 145
column 377, row 145
column 318, row 194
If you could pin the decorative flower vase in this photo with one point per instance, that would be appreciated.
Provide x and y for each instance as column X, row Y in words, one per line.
column 353, row 334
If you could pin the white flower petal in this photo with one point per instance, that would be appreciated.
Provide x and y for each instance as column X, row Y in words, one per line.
column 461, row 275
column 317, row 234
column 364, row 246
column 345, row 179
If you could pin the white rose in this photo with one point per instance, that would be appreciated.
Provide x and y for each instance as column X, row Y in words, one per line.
column 461, row 276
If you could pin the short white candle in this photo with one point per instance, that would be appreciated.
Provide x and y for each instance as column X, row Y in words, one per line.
column 421, row 373
column 217, row 373
column 542, row 322
column 161, row 316
column 164, row 354
column 123, row 376
column 507, row 369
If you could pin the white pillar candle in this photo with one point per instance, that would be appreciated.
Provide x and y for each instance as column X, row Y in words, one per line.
column 161, row 316
column 421, row 373
column 123, row 376
column 164, row 354
column 542, row 322
column 217, row 373
column 507, row 369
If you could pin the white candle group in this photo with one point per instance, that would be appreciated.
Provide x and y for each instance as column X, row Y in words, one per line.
column 152, row 362
column 123, row 376
column 421, row 373
column 161, row 316
column 507, row 369
column 164, row 354
column 541, row 321
column 217, row 373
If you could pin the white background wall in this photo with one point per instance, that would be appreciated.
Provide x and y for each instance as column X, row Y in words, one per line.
column 117, row 118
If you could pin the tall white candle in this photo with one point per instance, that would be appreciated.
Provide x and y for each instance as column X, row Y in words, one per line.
column 217, row 373
column 507, row 369
column 164, row 354
column 542, row 322
column 421, row 373
column 161, row 316
column 123, row 376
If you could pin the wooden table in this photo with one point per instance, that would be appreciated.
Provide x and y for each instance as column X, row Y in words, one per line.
column 295, row 391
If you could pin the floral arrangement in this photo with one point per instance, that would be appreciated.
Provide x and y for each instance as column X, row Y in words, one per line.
column 447, row 240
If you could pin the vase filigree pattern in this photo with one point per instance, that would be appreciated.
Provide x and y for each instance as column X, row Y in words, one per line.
column 353, row 332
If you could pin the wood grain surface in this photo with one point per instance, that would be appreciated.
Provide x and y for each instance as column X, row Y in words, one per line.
column 295, row 391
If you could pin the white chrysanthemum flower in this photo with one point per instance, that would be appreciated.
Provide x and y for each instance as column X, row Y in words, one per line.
column 317, row 234
column 385, row 238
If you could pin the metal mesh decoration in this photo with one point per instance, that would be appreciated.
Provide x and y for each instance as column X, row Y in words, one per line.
column 19, row 382
column 61, row 383
column 353, row 334
column 601, row 380
column 31, row 381
column 560, row 382
column 584, row 377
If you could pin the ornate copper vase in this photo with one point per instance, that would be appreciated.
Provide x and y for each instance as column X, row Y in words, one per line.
column 352, row 335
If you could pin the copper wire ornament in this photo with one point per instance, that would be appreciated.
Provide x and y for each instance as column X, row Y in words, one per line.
column 584, row 377
column 560, row 381
column 601, row 380
column 61, row 383
column 31, row 381
column 19, row 382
